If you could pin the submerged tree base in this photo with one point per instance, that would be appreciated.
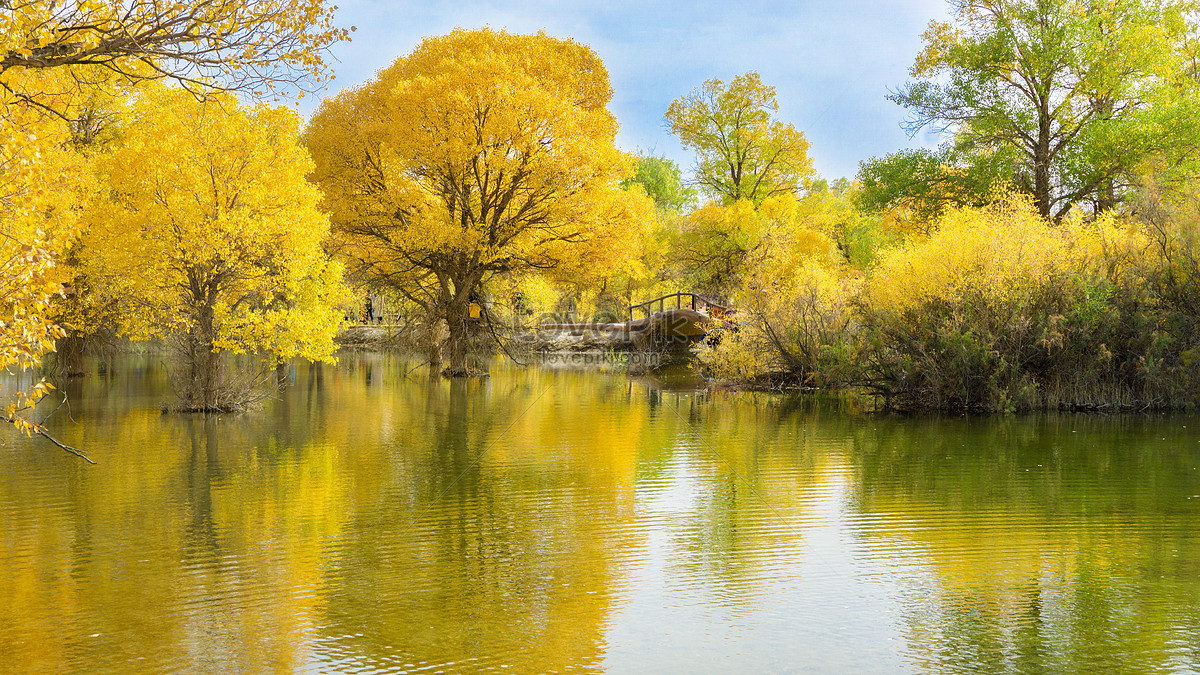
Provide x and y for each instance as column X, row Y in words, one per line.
column 465, row 371
column 186, row 408
column 240, row 397
column 207, row 381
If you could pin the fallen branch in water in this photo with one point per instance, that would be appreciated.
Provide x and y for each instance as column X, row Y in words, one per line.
column 39, row 429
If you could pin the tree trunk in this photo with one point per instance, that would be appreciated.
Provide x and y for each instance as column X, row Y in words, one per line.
column 1106, row 196
column 206, row 382
column 457, row 291
column 281, row 372
column 459, row 340
column 202, row 391
column 1041, row 163
column 212, row 378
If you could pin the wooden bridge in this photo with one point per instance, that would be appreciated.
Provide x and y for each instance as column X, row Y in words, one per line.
column 687, row 321
column 696, row 303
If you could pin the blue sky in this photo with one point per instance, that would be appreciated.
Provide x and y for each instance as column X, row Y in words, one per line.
column 831, row 62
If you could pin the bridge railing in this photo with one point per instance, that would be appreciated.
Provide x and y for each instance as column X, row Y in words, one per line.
column 695, row 302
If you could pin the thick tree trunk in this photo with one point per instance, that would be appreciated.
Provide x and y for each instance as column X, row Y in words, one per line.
column 1041, row 164
column 203, row 390
column 435, row 352
column 432, row 336
column 457, row 292
column 1106, row 196
column 216, row 392
column 212, row 378
column 458, row 343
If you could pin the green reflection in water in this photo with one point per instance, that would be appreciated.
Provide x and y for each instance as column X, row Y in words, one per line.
column 1054, row 543
column 368, row 519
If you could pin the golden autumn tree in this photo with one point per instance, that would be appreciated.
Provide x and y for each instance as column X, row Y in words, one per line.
column 212, row 235
column 741, row 152
column 479, row 153
column 55, row 54
column 41, row 181
column 227, row 44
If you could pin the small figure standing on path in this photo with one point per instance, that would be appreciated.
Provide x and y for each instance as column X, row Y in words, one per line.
column 370, row 310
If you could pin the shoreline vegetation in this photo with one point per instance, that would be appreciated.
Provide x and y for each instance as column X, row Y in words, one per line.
column 1044, row 256
column 997, row 311
column 846, row 351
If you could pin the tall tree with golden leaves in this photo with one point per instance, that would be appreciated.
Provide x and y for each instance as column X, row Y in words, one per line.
column 53, row 55
column 212, row 236
column 479, row 153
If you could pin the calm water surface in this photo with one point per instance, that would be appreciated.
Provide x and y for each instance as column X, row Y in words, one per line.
column 547, row 520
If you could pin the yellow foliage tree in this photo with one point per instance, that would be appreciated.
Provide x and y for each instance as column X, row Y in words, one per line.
column 715, row 241
column 793, row 295
column 741, row 153
column 213, row 235
column 41, row 181
column 725, row 245
column 52, row 54
column 228, row 44
column 479, row 153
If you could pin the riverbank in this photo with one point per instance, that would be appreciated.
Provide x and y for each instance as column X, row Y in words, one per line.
column 673, row 330
column 370, row 336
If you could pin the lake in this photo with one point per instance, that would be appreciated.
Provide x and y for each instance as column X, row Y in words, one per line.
column 548, row 519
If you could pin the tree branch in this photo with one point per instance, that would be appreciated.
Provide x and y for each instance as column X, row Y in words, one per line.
column 39, row 429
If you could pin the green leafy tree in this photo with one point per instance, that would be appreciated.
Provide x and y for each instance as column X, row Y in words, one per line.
column 1062, row 97
column 741, row 153
column 663, row 182
column 922, row 182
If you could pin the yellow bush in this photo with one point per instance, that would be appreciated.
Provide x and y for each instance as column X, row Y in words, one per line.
column 1000, row 309
column 732, row 358
column 797, row 323
column 1002, row 252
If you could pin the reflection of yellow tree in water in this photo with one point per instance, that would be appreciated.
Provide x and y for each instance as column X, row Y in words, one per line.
column 756, row 476
column 502, row 544
column 1047, row 547
column 219, row 578
column 368, row 517
column 69, row 583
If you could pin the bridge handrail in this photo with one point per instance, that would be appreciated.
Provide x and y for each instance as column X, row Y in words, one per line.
column 678, row 303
